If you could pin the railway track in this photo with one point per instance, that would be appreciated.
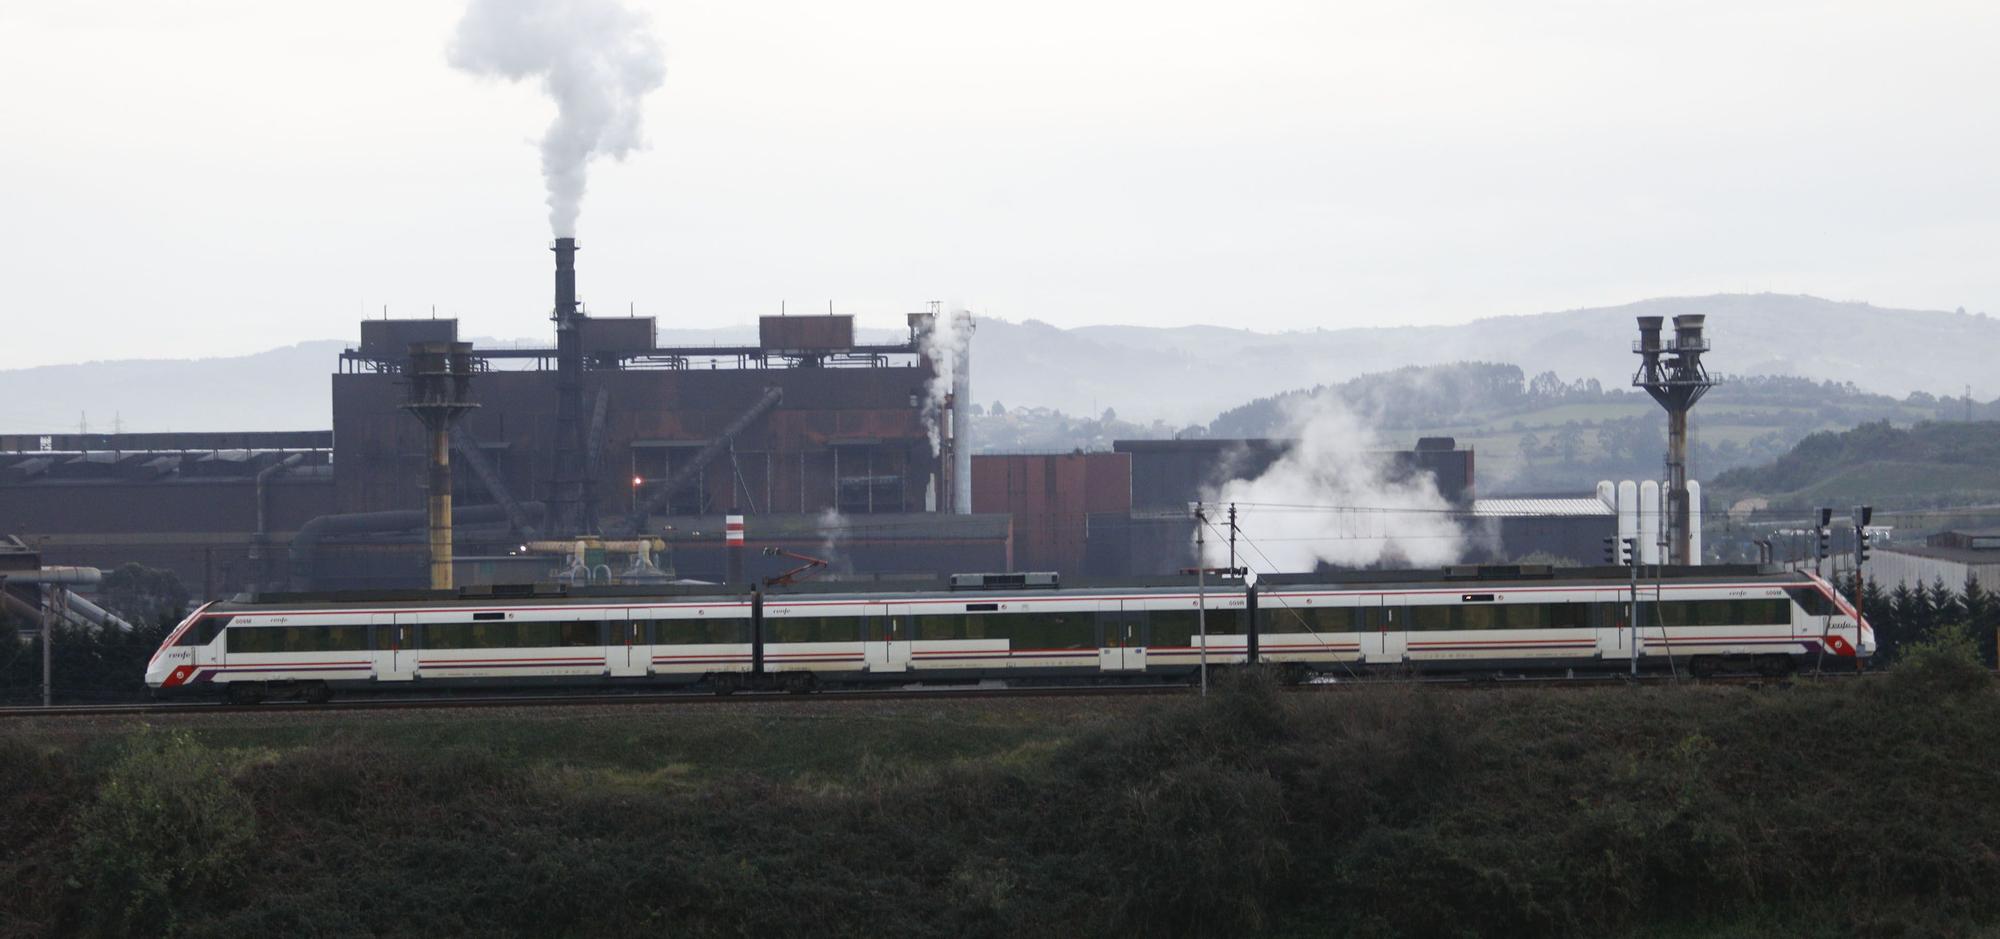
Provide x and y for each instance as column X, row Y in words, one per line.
column 599, row 698
column 932, row 693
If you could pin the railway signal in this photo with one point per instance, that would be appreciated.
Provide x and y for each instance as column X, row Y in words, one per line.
column 1619, row 552
column 1863, row 514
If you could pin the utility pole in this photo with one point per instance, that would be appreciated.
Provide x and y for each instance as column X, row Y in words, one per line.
column 1201, row 588
column 48, row 642
column 1232, row 538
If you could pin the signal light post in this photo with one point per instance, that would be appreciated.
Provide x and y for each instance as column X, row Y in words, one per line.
column 1863, row 514
column 1625, row 551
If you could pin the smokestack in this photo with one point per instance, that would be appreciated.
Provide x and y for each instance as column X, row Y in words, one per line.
column 573, row 510
column 961, row 417
column 565, row 250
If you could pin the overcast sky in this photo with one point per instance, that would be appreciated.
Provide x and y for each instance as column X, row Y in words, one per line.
column 191, row 177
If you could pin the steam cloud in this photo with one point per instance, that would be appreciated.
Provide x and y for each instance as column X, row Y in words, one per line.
column 1335, row 498
column 595, row 58
column 833, row 533
column 942, row 344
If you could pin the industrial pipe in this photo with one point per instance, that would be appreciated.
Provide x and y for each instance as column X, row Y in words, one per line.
column 263, row 535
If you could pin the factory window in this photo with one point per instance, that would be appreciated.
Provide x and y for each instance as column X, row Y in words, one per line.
column 692, row 632
column 260, row 639
column 1179, row 628
column 512, row 635
column 813, row 629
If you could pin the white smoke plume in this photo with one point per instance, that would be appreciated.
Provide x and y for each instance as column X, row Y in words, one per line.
column 832, row 533
column 1335, row 497
column 595, row 58
column 947, row 338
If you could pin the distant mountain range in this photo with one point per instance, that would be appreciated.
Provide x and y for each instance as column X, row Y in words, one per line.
column 1179, row 375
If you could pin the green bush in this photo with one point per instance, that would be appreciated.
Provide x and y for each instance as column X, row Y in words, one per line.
column 1944, row 664
column 166, row 833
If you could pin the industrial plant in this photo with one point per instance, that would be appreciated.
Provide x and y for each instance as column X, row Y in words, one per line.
column 607, row 458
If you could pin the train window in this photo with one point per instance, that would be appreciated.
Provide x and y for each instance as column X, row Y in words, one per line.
column 1180, row 627
column 690, row 632
column 203, row 631
column 261, row 639
column 1479, row 617
column 511, row 635
column 930, row 627
column 1430, row 617
column 1047, row 630
column 1311, row 619
column 813, row 629
column 1568, row 615
column 1764, row 612
column 1812, row 601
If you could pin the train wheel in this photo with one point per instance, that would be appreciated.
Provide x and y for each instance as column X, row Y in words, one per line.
column 800, row 682
column 317, row 693
column 725, row 684
column 1704, row 666
column 246, row 692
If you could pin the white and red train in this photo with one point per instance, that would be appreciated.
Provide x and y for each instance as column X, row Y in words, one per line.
column 1495, row 620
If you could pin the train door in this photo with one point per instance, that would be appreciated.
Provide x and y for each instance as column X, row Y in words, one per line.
column 1121, row 637
column 887, row 645
column 1612, row 616
column 626, row 652
column 1385, row 638
column 395, row 646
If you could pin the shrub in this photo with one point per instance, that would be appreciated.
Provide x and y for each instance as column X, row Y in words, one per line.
column 1944, row 664
column 166, row 832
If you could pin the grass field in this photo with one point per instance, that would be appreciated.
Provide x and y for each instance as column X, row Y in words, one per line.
column 1862, row 808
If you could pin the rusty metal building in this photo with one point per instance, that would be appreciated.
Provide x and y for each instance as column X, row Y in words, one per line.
column 219, row 509
column 804, row 422
column 1050, row 497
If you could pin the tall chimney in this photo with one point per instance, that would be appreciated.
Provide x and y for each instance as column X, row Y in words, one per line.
column 573, row 512
column 961, row 417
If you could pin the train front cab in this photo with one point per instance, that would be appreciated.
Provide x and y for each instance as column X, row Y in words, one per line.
column 191, row 652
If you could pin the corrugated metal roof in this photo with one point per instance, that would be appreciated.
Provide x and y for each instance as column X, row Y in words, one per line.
column 1539, row 508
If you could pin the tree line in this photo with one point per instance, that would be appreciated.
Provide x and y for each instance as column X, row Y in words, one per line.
column 1907, row 615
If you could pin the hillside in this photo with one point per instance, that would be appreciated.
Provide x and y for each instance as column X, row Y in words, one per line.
column 1146, row 374
column 1928, row 464
column 1545, row 433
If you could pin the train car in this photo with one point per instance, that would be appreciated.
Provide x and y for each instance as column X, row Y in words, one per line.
column 1013, row 627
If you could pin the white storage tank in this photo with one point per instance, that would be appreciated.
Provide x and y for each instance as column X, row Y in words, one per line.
column 1694, row 522
column 1649, row 522
column 1628, row 513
